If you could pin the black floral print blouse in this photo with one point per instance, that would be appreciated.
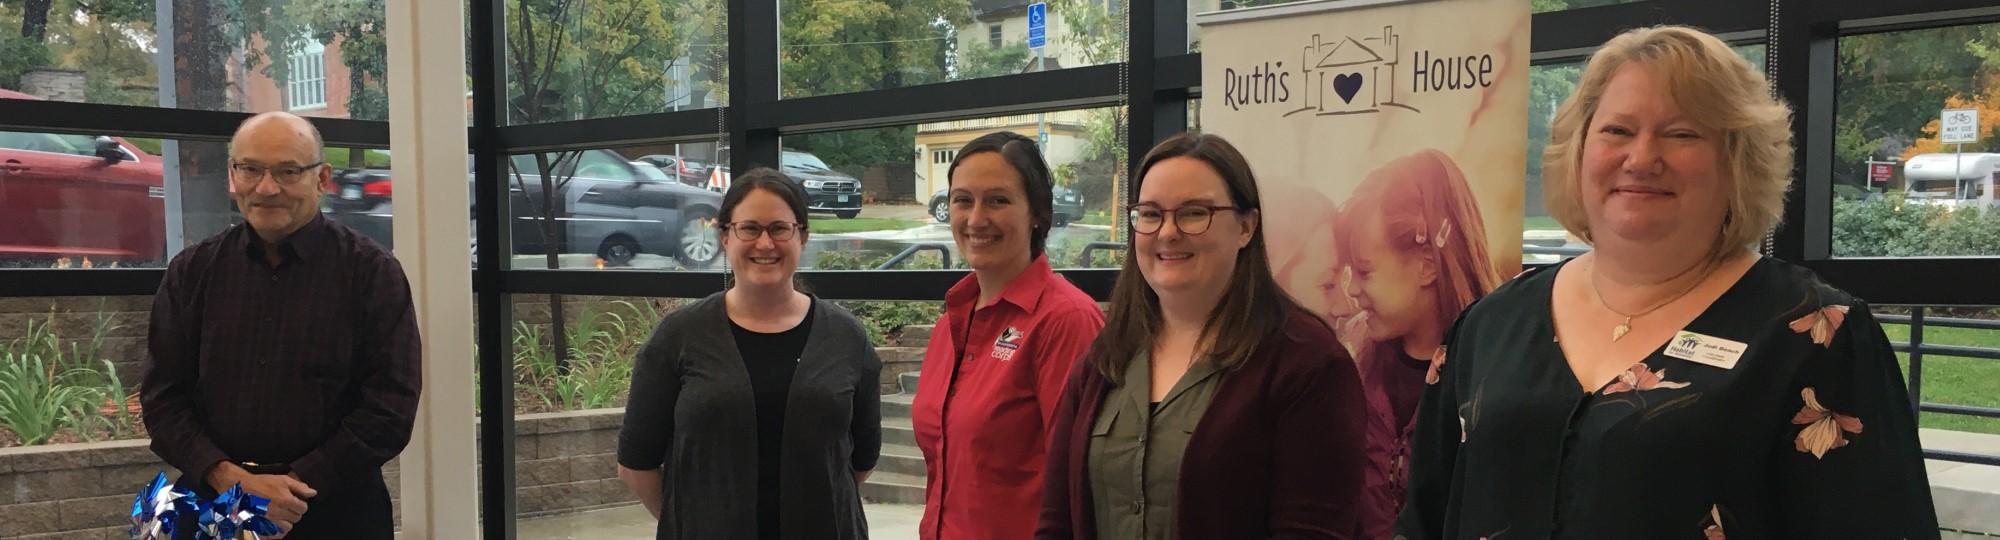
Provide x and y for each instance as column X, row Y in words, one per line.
column 1779, row 412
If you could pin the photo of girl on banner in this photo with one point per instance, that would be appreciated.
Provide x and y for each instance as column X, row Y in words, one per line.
column 1410, row 270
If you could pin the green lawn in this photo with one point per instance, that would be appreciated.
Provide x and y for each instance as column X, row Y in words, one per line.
column 1541, row 223
column 1096, row 218
column 1954, row 380
column 837, row 226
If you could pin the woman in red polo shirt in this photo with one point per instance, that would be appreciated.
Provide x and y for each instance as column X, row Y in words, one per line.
column 998, row 359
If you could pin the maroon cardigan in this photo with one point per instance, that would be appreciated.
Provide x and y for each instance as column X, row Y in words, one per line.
column 1279, row 454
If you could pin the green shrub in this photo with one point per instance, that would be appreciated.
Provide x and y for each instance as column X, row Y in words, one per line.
column 49, row 387
column 35, row 402
column 885, row 318
column 1893, row 227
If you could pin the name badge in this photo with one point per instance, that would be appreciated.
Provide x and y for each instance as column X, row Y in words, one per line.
column 1706, row 350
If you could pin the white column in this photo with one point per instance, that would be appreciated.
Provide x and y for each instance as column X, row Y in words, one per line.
column 427, row 132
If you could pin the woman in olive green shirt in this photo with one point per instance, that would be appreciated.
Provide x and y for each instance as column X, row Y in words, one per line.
column 1211, row 406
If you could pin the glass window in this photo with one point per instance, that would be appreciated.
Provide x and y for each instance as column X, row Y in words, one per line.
column 646, row 207
column 580, row 60
column 1899, row 188
column 223, row 58
column 307, row 89
column 900, row 175
column 104, row 201
column 840, row 46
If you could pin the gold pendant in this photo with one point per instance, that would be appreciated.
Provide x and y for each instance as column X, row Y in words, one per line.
column 1619, row 331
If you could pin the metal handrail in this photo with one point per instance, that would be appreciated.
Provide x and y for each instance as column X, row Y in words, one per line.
column 1917, row 349
column 1083, row 257
column 944, row 254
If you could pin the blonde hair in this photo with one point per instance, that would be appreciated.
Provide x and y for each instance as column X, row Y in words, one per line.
column 1714, row 87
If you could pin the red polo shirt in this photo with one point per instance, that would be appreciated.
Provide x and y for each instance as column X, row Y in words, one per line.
column 992, row 378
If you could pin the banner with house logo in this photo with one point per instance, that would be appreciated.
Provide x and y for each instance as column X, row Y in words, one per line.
column 1389, row 143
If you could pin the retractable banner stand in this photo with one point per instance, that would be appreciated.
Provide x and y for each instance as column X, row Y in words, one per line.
column 1389, row 143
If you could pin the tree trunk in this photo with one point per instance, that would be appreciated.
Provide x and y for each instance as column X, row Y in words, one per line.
column 35, row 19
column 553, row 246
column 201, row 57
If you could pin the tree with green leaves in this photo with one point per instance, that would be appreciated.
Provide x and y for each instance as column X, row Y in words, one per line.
column 1890, row 85
column 579, row 59
column 844, row 46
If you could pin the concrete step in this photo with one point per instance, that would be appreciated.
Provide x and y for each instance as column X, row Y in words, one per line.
column 900, row 355
column 886, row 487
column 896, row 431
column 908, row 381
column 899, row 459
column 1967, row 495
column 896, row 405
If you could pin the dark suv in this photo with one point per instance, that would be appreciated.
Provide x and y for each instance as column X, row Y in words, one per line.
column 609, row 206
column 827, row 191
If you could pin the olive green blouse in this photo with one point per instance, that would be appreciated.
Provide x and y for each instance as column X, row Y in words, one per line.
column 1136, row 448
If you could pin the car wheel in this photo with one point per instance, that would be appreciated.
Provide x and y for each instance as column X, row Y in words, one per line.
column 1062, row 221
column 847, row 215
column 699, row 243
column 618, row 250
column 941, row 211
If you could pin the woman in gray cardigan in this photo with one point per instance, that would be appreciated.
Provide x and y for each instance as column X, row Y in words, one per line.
column 755, row 413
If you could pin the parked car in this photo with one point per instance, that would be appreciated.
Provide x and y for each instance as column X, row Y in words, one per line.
column 685, row 170
column 612, row 207
column 64, row 195
column 827, row 191
column 1068, row 206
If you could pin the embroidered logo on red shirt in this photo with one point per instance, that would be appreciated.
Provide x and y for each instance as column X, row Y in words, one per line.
column 1010, row 341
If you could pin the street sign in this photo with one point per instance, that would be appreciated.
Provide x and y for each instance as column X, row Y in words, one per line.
column 1880, row 172
column 1961, row 126
column 1042, row 140
column 1038, row 25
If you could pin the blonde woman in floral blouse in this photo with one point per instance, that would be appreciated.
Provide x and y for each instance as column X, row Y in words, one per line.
column 1671, row 383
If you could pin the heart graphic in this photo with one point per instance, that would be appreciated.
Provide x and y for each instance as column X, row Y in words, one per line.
column 1347, row 85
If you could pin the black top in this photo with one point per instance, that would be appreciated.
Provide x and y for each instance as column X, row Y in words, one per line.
column 693, row 417
column 312, row 364
column 771, row 359
column 1403, row 379
column 1804, row 431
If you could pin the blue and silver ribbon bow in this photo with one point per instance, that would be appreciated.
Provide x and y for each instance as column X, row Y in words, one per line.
column 234, row 513
column 157, row 508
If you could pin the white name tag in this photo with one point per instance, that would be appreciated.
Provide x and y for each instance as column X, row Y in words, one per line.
column 1706, row 350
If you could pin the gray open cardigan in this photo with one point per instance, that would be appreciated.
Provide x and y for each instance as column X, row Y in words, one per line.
column 692, row 413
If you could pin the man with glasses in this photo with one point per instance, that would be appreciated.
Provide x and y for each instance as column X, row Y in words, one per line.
column 284, row 353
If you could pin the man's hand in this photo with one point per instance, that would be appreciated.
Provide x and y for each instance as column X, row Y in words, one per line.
column 287, row 494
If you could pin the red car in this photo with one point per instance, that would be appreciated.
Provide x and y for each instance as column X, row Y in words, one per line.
column 79, row 196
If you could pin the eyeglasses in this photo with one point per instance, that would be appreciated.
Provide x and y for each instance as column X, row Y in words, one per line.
column 1192, row 219
column 248, row 174
column 748, row 231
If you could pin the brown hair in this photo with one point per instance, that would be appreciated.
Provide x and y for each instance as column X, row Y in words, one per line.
column 1252, row 310
column 1713, row 86
column 767, row 180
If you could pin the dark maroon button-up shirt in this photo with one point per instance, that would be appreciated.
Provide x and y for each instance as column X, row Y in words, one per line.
column 313, row 363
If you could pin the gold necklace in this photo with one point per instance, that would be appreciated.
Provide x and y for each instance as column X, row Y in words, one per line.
column 1618, row 332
